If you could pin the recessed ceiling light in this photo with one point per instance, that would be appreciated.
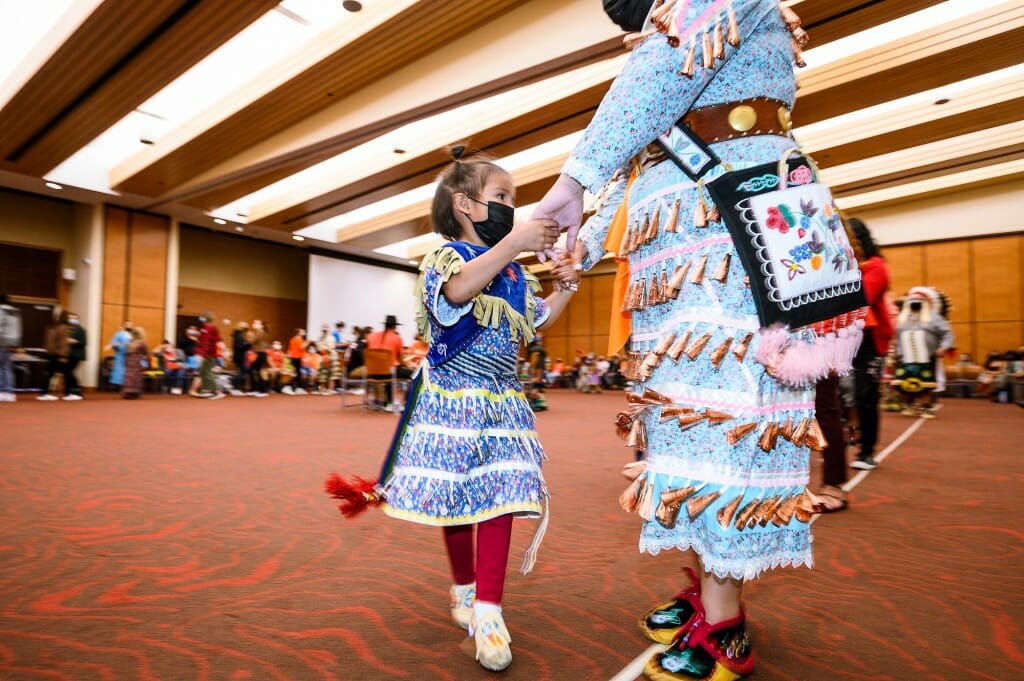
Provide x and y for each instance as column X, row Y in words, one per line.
column 413, row 262
column 239, row 228
column 298, row 238
column 220, row 222
column 54, row 185
column 352, row 5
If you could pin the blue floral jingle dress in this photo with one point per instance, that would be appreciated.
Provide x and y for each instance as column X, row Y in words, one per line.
column 470, row 450
column 723, row 438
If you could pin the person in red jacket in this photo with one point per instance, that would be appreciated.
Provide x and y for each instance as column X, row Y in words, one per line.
column 878, row 332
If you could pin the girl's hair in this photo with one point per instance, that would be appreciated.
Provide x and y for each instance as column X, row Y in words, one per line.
column 462, row 177
column 863, row 234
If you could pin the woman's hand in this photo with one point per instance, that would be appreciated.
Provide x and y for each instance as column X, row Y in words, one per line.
column 564, row 204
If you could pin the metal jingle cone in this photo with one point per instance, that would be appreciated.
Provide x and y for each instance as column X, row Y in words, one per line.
column 719, row 41
column 725, row 513
column 707, row 57
column 746, row 282
column 637, row 435
column 653, row 396
column 721, row 274
column 641, row 234
column 700, row 213
column 630, row 497
column 673, row 412
column 677, row 348
column 713, row 214
column 645, row 506
column 732, row 35
column 719, row 353
column 801, row 431
column 767, row 510
column 768, row 435
column 652, row 231
column 663, row 285
column 805, row 508
column 785, row 512
column 697, row 505
column 654, row 294
column 691, row 419
column 673, row 217
column 739, row 350
column 671, row 501
column 634, row 469
column 815, row 438
column 745, row 513
column 734, row 435
column 716, row 417
column 661, row 15
column 624, row 244
column 786, row 430
column 675, row 284
column 644, row 298
column 631, row 40
column 690, row 61
column 697, row 346
column 664, row 344
column 697, row 277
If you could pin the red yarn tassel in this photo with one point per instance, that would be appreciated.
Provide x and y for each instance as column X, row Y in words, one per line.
column 356, row 495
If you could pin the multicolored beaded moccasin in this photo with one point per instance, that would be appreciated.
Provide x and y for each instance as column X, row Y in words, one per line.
column 663, row 622
column 705, row 652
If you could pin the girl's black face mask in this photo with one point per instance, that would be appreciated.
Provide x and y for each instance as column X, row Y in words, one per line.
column 628, row 14
column 498, row 223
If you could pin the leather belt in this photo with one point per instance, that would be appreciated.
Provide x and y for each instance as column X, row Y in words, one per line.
column 743, row 118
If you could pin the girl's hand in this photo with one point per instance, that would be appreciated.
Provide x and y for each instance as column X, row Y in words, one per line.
column 534, row 235
column 564, row 271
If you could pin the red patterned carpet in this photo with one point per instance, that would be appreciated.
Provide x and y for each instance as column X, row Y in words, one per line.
column 174, row 539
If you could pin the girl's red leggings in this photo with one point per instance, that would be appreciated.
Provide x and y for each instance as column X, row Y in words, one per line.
column 493, row 539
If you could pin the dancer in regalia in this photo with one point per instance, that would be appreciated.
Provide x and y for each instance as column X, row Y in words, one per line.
column 727, row 443
column 466, row 453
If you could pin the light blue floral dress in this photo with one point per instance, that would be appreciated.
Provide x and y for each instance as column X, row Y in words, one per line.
column 744, row 479
column 470, row 450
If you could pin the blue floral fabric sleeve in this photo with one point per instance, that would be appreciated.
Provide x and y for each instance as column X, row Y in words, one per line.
column 650, row 95
column 595, row 229
column 439, row 307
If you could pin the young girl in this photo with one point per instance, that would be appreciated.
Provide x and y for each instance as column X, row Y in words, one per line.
column 467, row 452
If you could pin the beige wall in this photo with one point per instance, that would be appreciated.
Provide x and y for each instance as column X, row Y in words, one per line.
column 221, row 262
column 38, row 221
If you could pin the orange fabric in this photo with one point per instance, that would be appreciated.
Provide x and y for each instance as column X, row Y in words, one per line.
column 296, row 347
column 621, row 323
column 387, row 339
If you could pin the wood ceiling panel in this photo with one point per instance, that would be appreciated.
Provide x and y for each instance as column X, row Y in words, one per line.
column 932, row 131
column 180, row 42
column 409, row 36
column 516, row 134
column 100, row 44
column 828, row 20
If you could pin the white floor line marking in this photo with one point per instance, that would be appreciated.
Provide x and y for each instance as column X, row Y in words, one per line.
column 635, row 668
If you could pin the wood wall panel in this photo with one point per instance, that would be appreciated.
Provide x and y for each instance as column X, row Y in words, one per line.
column 601, row 304
column 906, row 267
column 115, row 255
column 948, row 268
column 150, row 320
column 147, row 278
column 113, row 316
column 964, row 340
column 997, row 279
column 998, row 337
column 280, row 314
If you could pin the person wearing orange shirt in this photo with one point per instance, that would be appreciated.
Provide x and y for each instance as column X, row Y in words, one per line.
column 296, row 351
column 390, row 340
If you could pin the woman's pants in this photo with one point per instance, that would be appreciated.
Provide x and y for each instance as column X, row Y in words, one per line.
column 829, row 415
column 867, row 376
column 256, row 378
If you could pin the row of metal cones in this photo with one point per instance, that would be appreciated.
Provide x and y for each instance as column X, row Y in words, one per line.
column 659, row 288
column 757, row 512
column 713, row 36
column 643, row 232
column 675, row 346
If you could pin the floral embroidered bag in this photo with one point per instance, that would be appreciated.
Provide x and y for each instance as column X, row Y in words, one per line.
column 791, row 242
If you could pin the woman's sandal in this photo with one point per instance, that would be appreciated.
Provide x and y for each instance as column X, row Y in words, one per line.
column 832, row 499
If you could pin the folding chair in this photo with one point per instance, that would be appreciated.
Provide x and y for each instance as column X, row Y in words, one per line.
column 380, row 372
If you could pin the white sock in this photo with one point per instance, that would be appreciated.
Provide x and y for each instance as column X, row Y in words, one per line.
column 480, row 608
